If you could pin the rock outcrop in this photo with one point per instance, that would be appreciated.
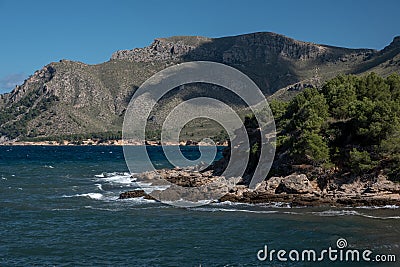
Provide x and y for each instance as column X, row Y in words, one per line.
column 254, row 47
column 132, row 194
column 294, row 184
column 295, row 190
column 162, row 49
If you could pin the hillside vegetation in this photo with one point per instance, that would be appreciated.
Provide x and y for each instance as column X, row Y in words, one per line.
column 350, row 126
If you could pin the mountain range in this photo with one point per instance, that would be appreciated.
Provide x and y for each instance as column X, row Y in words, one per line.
column 69, row 97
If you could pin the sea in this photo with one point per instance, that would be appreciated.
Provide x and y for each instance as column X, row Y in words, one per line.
column 59, row 206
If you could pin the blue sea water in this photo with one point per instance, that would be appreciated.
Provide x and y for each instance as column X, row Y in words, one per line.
column 59, row 207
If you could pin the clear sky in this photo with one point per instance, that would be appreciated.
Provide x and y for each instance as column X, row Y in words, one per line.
column 35, row 33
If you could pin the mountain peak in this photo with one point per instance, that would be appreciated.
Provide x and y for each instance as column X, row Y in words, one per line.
column 396, row 41
column 177, row 48
column 395, row 44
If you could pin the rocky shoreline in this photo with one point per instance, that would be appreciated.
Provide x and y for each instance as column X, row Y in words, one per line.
column 295, row 189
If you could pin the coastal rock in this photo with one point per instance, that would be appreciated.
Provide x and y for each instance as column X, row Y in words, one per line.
column 384, row 185
column 369, row 201
column 273, row 183
column 354, row 188
column 294, row 184
column 132, row 194
column 178, row 176
column 231, row 197
column 261, row 186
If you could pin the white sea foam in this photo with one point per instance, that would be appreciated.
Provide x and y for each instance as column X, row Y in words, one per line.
column 292, row 213
column 378, row 207
column 99, row 186
column 351, row 213
column 235, row 210
column 380, row 217
column 103, row 209
column 264, row 205
column 63, row 209
column 139, row 200
column 96, row 196
column 116, row 177
column 332, row 213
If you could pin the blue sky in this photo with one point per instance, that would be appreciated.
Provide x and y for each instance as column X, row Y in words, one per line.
column 35, row 33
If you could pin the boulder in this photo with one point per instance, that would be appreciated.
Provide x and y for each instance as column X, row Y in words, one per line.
column 273, row 183
column 231, row 197
column 294, row 184
column 261, row 187
column 132, row 194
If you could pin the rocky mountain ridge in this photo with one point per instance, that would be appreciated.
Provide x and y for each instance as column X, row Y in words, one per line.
column 237, row 49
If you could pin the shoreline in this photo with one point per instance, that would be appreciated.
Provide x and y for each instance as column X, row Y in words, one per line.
column 110, row 143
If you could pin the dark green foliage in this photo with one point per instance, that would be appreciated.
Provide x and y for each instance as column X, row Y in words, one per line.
column 339, row 93
column 78, row 138
column 390, row 150
column 300, row 126
column 360, row 161
column 312, row 147
column 352, row 122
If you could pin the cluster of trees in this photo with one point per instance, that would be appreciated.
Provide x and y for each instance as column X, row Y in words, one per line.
column 99, row 137
column 351, row 124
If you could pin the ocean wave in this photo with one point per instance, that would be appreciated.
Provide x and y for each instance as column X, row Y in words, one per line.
column 330, row 213
column 209, row 209
column 139, row 200
column 96, row 196
column 116, row 177
column 234, row 207
column 103, row 209
column 263, row 205
column 99, row 186
column 48, row 166
column 380, row 217
column 378, row 207
column 63, row 209
column 351, row 213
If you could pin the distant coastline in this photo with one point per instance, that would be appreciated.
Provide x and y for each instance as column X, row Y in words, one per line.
column 90, row 142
